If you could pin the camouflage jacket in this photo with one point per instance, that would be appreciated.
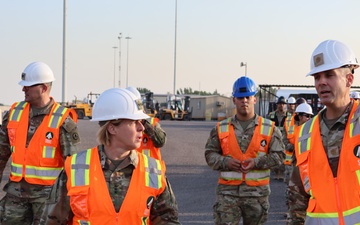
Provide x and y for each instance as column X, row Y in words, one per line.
column 117, row 176
column 332, row 141
column 155, row 133
column 216, row 161
column 68, row 140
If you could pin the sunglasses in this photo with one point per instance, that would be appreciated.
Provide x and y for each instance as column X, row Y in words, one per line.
column 306, row 115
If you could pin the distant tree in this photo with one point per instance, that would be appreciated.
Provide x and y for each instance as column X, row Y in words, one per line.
column 190, row 91
column 143, row 90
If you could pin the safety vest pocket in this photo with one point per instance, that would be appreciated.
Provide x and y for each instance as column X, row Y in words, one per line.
column 79, row 201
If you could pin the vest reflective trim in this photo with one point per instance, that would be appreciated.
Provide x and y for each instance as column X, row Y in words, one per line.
column 305, row 135
column 56, row 116
column 146, row 152
column 16, row 169
column 351, row 216
column 355, row 123
column 290, row 128
column 43, row 173
column 152, row 172
column 152, row 120
column 48, row 152
column 17, row 111
column 252, row 175
column 224, row 125
column 266, row 126
column 80, row 168
column 83, row 222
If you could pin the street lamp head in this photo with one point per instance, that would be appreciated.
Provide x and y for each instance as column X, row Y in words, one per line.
column 128, row 38
column 242, row 64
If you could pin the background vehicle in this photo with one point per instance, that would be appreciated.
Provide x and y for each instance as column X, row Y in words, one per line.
column 151, row 106
column 177, row 108
column 84, row 108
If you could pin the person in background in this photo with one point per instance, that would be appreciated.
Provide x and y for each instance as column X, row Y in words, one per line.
column 154, row 136
column 243, row 148
column 291, row 105
column 303, row 113
column 38, row 134
column 279, row 116
column 112, row 183
column 288, row 139
column 355, row 95
column 325, row 188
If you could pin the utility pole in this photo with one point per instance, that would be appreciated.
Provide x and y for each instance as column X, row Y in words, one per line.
column 119, row 37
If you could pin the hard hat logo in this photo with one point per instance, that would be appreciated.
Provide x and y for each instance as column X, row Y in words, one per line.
column 23, row 75
column 318, row 59
column 139, row 104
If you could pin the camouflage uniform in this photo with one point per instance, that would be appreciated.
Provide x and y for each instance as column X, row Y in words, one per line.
column 23, row 202
column 332, row 137
column 155, row 133
column 249, row 202
column 279, row 123
column 118, row 176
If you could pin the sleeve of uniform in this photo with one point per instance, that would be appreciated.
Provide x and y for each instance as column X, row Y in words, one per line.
column 165, row 210
column 57, row 209
column 298, row 199
column 287, row 144
column 69, row 137
column 155, row 133
column 5, row 151
column 213, row 152
column 275, row 156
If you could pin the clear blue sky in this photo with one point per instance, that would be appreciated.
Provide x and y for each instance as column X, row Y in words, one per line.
column 275, row 39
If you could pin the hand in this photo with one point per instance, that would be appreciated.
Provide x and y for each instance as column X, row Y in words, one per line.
column 234, row 165
column 247, row 165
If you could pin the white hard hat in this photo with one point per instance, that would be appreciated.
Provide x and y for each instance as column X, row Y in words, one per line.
column 291, row 100
column 331, row 54
column 355, row 95
column 117, row 103
column 304, row 108
column 36, row 73
column 134, row 91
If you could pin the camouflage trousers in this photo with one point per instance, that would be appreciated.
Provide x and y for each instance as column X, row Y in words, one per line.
column 229, row 210
column 24, row 211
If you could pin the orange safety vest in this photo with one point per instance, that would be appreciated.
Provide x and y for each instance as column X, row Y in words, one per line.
column 258, row 147
column 333, row 200
column 289, row 127
column 147, row 146
column 90, row 200
column 40, row 162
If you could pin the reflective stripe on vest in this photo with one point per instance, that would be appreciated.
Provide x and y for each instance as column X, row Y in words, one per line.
column 152, row 172
column 83, row 222
column 80, row 168
column 38, row 172
column 332, row 218
column 304, row 144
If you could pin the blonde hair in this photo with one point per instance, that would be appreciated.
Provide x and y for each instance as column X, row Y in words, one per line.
column 103, row 135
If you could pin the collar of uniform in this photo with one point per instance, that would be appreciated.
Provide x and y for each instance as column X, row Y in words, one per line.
column 42, row 111
column 104, row 161
column 255, row 119
column 344, row 117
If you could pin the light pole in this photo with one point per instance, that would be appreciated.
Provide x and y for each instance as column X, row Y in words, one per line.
column 114, row 62
column 127, row 64
column 175, row 47
column 244, row 64
column 119, row 37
